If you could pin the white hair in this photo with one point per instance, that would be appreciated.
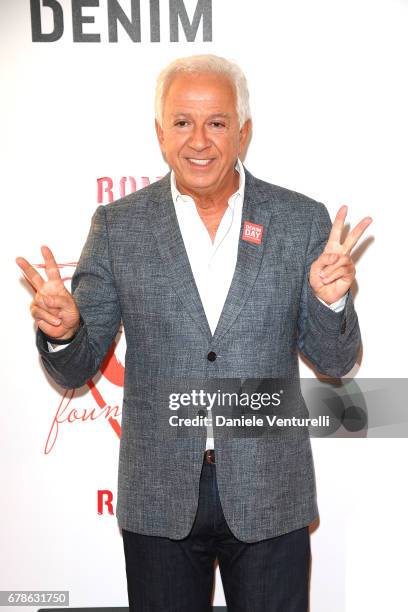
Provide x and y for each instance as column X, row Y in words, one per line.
column 203, row 64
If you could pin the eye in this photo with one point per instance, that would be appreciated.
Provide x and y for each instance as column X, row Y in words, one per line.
column 218, row 124
column 181, row 123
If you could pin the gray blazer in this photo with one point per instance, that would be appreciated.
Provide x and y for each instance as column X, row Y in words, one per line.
column 134, row 268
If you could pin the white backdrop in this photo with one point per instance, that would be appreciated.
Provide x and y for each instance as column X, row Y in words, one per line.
column 329, row 99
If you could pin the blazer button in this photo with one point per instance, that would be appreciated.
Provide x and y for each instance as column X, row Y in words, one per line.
column 343, row 326
column 211, row 356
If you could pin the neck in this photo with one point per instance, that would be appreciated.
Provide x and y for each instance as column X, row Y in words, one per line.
column 214, row 201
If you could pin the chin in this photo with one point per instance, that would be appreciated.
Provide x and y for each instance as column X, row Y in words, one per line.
column 191, row 178
column 194, row 184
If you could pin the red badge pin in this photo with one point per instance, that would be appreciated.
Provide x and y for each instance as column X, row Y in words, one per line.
column 252, row 232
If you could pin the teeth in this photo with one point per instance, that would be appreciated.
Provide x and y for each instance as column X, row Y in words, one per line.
column 200, row 162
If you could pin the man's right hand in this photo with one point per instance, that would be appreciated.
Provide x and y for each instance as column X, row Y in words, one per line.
column 53, row 307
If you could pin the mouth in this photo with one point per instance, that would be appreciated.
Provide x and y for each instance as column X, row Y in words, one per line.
column 199, row 163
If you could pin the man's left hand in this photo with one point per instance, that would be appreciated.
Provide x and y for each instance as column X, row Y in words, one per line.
column 332, row 274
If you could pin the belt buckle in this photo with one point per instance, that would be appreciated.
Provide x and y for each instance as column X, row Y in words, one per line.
column 210, row 456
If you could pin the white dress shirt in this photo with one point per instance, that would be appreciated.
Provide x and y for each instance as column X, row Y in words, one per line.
column 212, row 263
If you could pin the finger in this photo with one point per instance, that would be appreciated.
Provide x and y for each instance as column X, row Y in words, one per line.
column 343, row 260
column 355, row 235
column 338, row 224
column 34, row 278
column 51, row 266
column 42, row 301
column 344, row 272
column 50, row 330
column 39, row 314
column 326, row 259
column 64, row 302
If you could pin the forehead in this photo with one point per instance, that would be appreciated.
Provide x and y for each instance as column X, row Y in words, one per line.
column 205, row 92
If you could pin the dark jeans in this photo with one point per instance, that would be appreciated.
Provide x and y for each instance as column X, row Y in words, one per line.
column 165, row 575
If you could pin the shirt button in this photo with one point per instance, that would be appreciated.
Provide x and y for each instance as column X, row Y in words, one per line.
column 211, row 356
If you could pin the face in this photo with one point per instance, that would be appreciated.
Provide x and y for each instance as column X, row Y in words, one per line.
column 200, row 137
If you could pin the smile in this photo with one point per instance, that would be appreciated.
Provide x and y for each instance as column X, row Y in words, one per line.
column 199, row 162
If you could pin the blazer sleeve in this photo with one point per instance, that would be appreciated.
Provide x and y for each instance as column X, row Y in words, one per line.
column 94, row 291
column 329, row 340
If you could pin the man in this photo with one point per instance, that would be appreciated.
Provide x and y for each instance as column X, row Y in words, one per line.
column 215, row 275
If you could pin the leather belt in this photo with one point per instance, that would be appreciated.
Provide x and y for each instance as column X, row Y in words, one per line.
column 209, row 456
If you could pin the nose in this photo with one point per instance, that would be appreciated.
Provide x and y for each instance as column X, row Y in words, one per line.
column 199, row 139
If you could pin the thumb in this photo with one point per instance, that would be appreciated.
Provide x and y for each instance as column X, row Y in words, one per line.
column 326, row 259
column 48, row 300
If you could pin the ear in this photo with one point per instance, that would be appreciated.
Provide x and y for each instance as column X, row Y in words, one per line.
column 159, row 132
column 244, row 137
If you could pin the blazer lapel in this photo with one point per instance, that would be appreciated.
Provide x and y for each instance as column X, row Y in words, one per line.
column 165, row 227
column 249, row 256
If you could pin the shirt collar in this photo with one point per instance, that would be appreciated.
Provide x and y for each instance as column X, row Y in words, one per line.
column 177, row 196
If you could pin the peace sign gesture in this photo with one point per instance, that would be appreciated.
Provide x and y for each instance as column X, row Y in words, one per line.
column 332, row 274
column 53, row 307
